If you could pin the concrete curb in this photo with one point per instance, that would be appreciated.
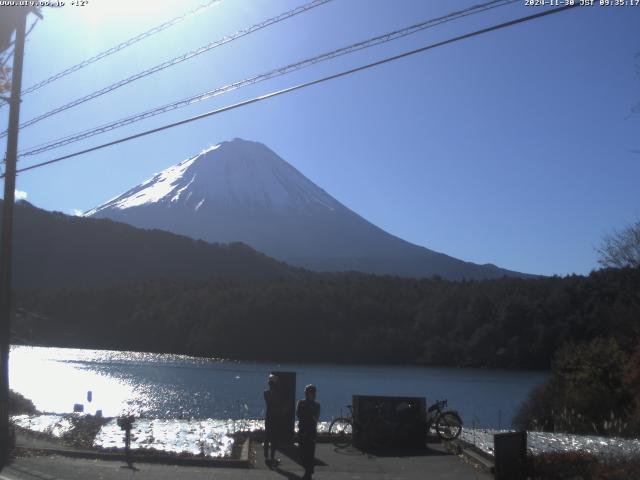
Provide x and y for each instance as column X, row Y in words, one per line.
column 244, row 453
column 479, row 460
column 471, row 455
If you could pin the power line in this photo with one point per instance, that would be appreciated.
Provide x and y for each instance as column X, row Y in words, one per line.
column 304, row 85
column 387, row 37
column 125, row 44
column 174, row 61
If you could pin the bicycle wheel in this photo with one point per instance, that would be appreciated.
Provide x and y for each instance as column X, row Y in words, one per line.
column 340, row 432
column 448, row 425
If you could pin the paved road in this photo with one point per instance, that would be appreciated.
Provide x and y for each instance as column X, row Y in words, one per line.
column 331, row 464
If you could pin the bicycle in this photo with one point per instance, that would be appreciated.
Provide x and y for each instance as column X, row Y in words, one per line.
column 447, row 423
column 341, row 430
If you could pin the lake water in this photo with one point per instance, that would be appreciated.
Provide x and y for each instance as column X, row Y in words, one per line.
column 173, row 386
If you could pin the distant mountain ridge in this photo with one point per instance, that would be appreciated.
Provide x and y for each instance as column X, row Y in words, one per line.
column 242, row 191
column 52, row 249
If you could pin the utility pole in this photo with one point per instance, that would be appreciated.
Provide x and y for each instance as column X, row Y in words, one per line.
column 6, row 249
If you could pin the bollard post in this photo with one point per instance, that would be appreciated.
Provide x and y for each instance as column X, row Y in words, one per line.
column 510, row 455
column 126, row 423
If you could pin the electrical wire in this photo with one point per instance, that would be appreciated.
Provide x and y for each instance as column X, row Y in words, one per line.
column 306, row 84
column 174, row 61
column 380, row 39
column 121, row 46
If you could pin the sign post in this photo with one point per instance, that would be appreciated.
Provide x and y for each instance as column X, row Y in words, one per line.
column 6, row 249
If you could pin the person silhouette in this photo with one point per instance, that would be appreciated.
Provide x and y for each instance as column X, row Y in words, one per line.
column 273, row 404
column 308, row 413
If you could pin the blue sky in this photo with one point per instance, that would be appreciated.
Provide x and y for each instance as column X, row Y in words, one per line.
column 514, row 148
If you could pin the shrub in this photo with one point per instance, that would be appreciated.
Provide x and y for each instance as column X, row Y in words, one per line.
column 584, row 466
column 586, row 393
column 19, row 405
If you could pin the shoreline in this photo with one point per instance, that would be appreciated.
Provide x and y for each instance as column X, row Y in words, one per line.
column 193, row 356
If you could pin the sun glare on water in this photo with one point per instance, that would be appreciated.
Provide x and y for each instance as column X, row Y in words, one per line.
column 54, row 384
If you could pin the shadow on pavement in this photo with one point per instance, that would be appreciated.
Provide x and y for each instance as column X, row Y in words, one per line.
column 291, row 452
column 286, row 474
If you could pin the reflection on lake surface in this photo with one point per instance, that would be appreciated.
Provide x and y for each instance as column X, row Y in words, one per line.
column 159, row 386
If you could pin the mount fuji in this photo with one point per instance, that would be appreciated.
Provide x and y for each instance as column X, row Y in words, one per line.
column 242, row 191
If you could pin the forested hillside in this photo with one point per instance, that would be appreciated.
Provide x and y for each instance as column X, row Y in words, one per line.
column 344, row 318
column 52, row 249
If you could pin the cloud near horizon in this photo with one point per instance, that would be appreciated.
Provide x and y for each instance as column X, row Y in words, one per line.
column 20, row 195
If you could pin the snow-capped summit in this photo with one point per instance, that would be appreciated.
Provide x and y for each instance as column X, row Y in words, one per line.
column 243, row 191
column 235, row 174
